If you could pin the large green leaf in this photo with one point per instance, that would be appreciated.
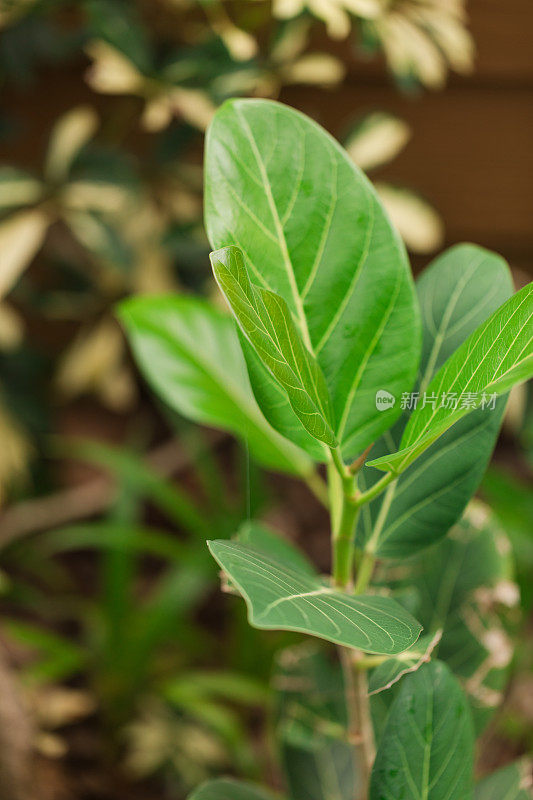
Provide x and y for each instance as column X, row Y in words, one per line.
column 313, row 230
column 427, row 746
column 510, row 783
column 312, row 725
column 227, row 789
column 465, row 588
column 190, row 354
column 457, row 292
column 266, row 321
column 259, row 537
column 280, row 598
column 494, row 358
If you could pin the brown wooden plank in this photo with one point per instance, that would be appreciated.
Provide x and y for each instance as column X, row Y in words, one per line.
column 470, row 154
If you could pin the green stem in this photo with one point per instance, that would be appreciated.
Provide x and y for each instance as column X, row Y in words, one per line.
column 343, row 539
column 344, row 511
column 344, row 545
column 376, row 489
column 364, row 572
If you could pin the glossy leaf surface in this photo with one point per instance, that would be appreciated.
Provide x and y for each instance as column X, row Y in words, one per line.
column 457, row 292
column 313, row 231
column 189, row 353
column 494, row 358
column 280, row 598
column 266, row 321
column 427, row 746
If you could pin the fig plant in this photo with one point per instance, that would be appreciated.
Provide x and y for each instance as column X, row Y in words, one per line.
column 340, row 365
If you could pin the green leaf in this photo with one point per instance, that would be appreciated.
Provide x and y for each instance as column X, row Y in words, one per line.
column 280, row 598
column 494, row 358
column 465, row 589
column 457, row 292
column 427, row 746
column 393, row 669
column 226, row 789
column 266, row 321
column 312, row 725
column 510, row 783
column 313, row 231
column 190, row 354
column 58, row 658
column 276, row 546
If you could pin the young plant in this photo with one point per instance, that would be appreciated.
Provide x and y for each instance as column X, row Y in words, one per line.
column 337, row 353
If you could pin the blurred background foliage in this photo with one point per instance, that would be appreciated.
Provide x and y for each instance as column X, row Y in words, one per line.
column 130, row 673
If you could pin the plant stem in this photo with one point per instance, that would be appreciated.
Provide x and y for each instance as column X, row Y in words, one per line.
column 366, row 746
column 344, row 545
column 364, row 572
column 376, row 489
column 343, row 531
column 360, row 730
column 345, row 502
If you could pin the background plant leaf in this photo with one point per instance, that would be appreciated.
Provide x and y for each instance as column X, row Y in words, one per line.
column 311, row 725
column 464, row 587
column 509, row 783
column 457, row 292
column 190, row 354
column 427, row 746
column 227, row 789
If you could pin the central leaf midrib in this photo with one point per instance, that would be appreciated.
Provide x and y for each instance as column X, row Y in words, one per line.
column 281, row 240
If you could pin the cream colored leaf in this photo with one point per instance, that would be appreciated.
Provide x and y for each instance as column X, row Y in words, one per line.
column 409, row 51
column 418, row 223
column 157, row 114
column 11, row 327
column 239, row 81
column 287, row 9
column 193, row 105
column 334, row 13
column 377, row 139
column 17, row 188
column 111, row 72
column 315, row 68
column 70, row 133
column 449, row 33
column 56, row 706
column 335, row 17
column 94, row 363
column 292, row 41
column 21, row 236
column 241, row 45
column 50, row 745
column 14, row 453
column 95, row 196
column 369, row 9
